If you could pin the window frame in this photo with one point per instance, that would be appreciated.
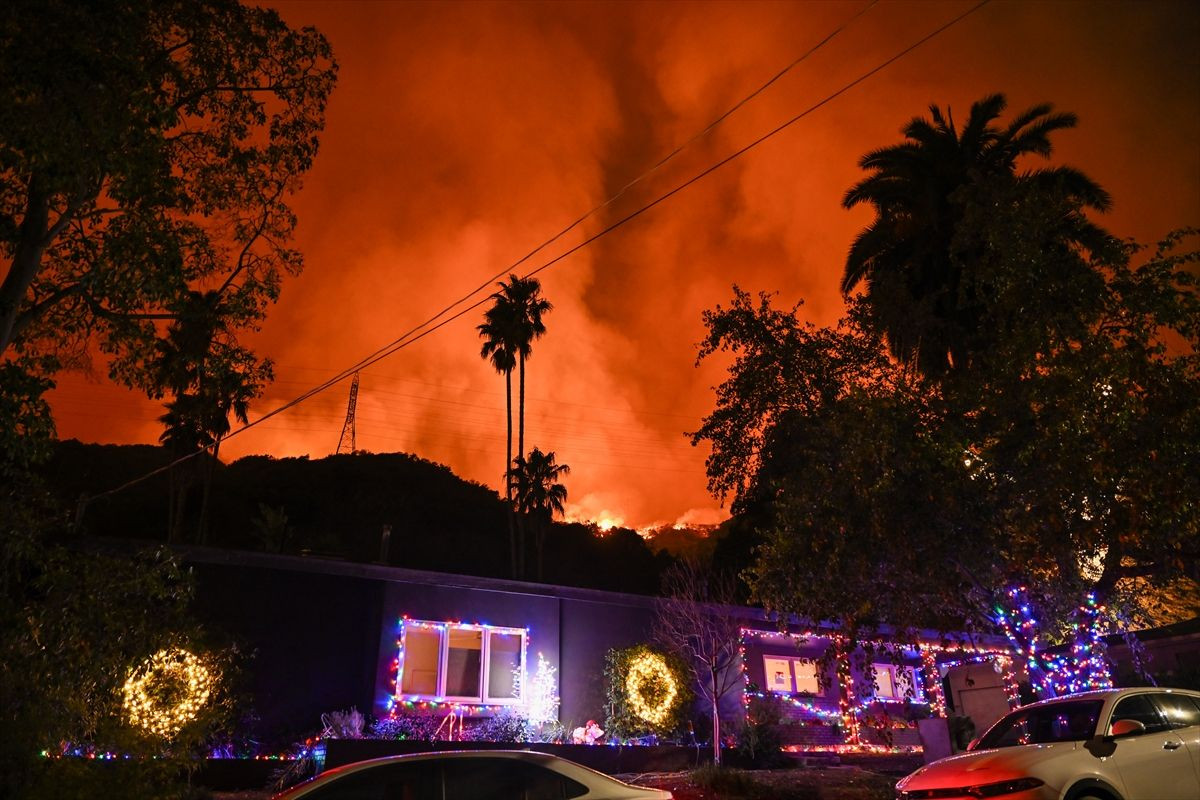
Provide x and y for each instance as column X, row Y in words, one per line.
column 793, row 683
column 913, row 676
column 443, row 629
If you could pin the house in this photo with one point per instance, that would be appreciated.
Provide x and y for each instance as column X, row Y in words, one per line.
column 328, row 635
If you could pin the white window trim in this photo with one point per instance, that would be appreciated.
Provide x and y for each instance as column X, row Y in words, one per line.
column 443, row 630
column 913, row 678
column 792, row 662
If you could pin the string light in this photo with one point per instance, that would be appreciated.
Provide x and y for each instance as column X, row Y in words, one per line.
column 167, row 691
column 650, row 688
column 1086, row 667
column 541, row 706
column 851, row 707
column 439, row 702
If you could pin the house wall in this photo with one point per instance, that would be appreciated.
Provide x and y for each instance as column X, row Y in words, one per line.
column 309, row 641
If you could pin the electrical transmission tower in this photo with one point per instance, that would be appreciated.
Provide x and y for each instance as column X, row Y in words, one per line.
column 346, row 443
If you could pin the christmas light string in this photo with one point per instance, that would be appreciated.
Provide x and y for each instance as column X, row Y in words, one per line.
column 1086, row 668
column 851, row 708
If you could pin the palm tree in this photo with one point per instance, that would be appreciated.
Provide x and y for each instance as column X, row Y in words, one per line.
column 509, row 329
column 499, row 336
column 209, row 377
column 913, row 258
column 539, row 494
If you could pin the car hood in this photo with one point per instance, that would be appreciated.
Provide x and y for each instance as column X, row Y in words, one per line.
column 987, row 766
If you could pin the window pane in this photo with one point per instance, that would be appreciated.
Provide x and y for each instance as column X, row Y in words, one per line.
column 806, row 677
column 883, row 680
column 422, row 646
column 779, row 674
column 1138, row 707
column 1057, row 722
column 1181, row 711
column 504, row 659
column 463, row 662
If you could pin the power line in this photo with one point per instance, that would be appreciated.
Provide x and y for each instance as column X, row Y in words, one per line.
column 402, row 342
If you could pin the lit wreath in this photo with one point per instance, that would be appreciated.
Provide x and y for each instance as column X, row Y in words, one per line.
column 650, row 669
column 167, row 691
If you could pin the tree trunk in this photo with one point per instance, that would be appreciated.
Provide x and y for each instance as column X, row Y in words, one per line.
column 521, row 543
column 716, row 715
column 202, row 532
column 27, row 258
column 508, row 488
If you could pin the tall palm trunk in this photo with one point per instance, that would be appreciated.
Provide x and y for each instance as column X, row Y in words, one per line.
column 508, row 480
column 210, row 466
column 521, row 546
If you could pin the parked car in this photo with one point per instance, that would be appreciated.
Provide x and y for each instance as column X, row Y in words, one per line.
column 1118, row 744
column 468, row 775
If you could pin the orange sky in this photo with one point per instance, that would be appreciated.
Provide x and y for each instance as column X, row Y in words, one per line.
column 462, row 135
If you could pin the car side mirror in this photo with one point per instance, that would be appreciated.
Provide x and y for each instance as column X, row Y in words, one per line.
column 974, row 743
column 1126, row 727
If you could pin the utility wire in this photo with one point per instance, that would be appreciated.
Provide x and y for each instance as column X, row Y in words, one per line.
column 620, row 192
column 401, row 343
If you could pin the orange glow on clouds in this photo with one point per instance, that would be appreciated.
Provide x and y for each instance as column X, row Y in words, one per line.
column 462, row 135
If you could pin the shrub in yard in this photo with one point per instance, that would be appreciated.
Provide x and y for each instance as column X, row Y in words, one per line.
column 760, row 740
column 408, row 727
column 507, row 726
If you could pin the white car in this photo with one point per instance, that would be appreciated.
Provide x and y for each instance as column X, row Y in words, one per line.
column 1117, row 744
column 468, row 775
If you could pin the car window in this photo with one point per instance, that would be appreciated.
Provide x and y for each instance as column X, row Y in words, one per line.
column 1057, row 722
column 506, row 779
column 416, row 780
column 1180, row 710
column 1140, row 708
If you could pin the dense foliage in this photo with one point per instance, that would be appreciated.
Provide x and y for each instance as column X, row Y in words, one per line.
column 147, row 153
column 649, row 692
column 337, row 506
column 883, row 497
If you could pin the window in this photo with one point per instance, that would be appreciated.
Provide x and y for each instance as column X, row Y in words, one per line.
column 1138, row 707
column 464, row 663
column 1180, row 710
column 1072, row 721
column 897, row 683
column 791, row 675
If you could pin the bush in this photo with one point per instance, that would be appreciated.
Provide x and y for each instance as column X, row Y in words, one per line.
column 507, row 726
column 760, row 739
column 663, row 692
column 406, row 727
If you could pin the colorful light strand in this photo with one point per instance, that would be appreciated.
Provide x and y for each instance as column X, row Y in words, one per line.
column 851, row 708
column 1085, row 668
column 440, row 702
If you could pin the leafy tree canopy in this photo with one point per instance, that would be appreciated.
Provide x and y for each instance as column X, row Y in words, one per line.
column 147, row 153
column 882, row 496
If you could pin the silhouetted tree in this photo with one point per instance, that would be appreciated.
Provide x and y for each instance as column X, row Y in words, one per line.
column 922, row 274
column 209, row 376
column 510, row 326
column 539, row 494
column 148, row 152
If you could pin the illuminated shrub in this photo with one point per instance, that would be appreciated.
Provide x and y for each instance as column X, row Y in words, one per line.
column 648, row 691
column 167, row 691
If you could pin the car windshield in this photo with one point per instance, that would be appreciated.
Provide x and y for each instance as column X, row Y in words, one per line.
column 1057, row 722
